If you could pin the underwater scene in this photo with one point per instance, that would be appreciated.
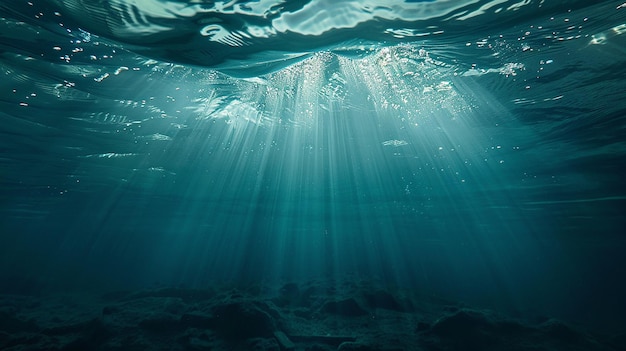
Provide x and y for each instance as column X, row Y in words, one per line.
column 314, row 175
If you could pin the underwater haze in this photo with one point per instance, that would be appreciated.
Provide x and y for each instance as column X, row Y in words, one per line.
column 464, row 153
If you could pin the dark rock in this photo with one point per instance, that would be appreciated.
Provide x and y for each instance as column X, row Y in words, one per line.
column 236, row 295
column 466, row 329
column 80, row 327
column 307, row 294
column 451, row 308
column 109, row 310
column 348, row 307
column 5, row 339
column 618, row 341
column 187, row 295
column 302, row 313
column 28, row 342
column 383, row 299
column 174, row 306
column 560, row 331
column 290, row 291
column 11, row 324
column 317, row 348
column 477, row 330
column 242, row 320
column 263, row 344
column 507, row 327
column 160, row 323
column 196, row 340
column 286, row 295
column 270, row 309
column 196, row 320
column 255, row 290
column 284, row 341
column 354, row 346
column 91, row 336
column 421, row 326
column 459, row 323
column 334, row 340
column 197, row 344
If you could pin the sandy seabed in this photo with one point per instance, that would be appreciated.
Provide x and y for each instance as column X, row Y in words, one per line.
column 311, row 316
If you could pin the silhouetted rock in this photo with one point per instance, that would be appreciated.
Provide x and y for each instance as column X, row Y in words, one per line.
column 421, row 326
column 90, row 338
column 160, row 323
column 187, row 295
column 354, row 346
column 242, row 320
column 196, row 320
column 289, row 290
column 558, row 330
column 479, row 330
column 29, row 342
column 196, row 340
column 619, row 341
column 468, row 328
column 460, row 323
column 10, row 323
column 290, row 294
column 263, row 344
column 108, row 310
column 382, row 299
column 348, row 307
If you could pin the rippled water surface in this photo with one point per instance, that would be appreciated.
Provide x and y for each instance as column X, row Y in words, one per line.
column 474, row 149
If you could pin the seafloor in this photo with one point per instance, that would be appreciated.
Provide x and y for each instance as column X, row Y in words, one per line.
column 312, row 316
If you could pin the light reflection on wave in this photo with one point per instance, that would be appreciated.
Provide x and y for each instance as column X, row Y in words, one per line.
column 247, row 39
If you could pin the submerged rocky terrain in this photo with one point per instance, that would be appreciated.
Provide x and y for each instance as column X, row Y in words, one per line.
column 312, row 316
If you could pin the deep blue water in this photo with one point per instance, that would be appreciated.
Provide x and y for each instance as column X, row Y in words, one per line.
column 469, row 149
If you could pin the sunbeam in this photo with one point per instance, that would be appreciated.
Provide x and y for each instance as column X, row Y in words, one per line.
column 312, row 175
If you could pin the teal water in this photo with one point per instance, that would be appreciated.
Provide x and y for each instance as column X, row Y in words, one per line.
column 467, row 149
